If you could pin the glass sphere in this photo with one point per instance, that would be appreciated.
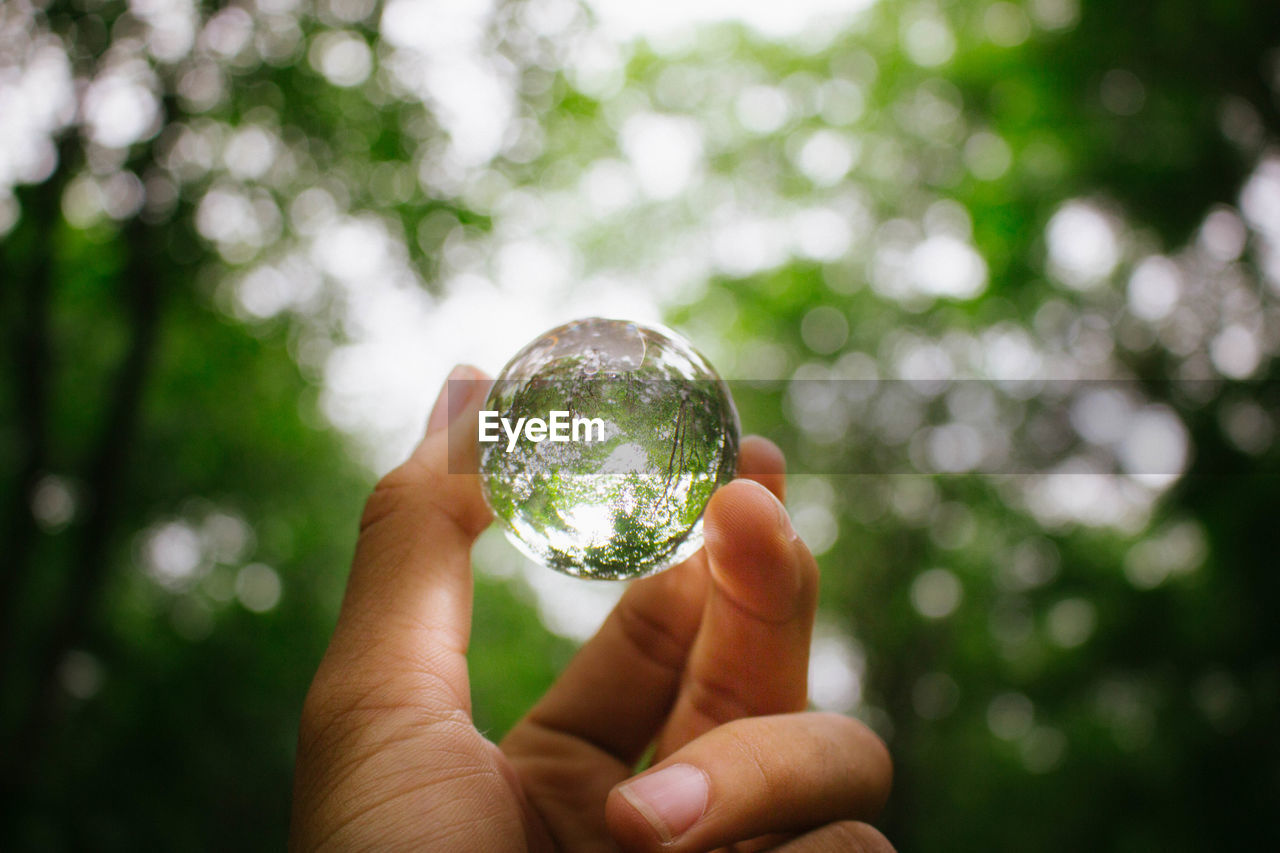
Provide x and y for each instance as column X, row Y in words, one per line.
column 601, row 443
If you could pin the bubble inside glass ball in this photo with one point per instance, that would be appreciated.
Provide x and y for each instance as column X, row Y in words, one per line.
column 626, row 432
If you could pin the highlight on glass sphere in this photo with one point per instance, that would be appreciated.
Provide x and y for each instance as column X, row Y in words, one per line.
column 600, row 445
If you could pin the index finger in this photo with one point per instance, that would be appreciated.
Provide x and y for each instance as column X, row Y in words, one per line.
column 751, row 655
column 618, row 688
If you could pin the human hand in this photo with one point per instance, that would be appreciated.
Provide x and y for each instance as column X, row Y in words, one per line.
column 706, row 662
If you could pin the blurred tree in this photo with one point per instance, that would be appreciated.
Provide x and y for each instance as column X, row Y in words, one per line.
column 178, row 517
column 207, row 208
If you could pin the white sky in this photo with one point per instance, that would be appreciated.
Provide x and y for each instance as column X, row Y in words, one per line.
column 379, row 385
column 776, row 18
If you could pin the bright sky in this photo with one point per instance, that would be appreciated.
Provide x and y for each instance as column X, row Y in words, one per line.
column 775, row 18
column 379, row 385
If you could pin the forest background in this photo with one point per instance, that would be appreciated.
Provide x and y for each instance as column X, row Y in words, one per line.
column 1004, row 278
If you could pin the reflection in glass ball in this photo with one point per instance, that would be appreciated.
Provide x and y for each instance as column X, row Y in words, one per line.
column 603, row 443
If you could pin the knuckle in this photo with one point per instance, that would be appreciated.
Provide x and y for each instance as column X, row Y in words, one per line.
column 371, row 713
column 320, row 728
column 419, row 490
column 323, row 710
column 718, row 702
column 651, row 637
column 388, row 498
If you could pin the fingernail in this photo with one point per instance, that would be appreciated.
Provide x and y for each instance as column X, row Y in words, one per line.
column 448, row 404
column 671, row 800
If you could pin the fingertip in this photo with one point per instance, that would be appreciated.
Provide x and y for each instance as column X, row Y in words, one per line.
column 761, row 461
column 462, row 384
column 754, row 553
column 449, row 442
column 746, row 514
column 440, row 477
column 463, row 391
column 658, row 807
column 627, row 825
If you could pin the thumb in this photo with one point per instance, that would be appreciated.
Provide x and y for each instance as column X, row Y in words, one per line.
column 407, row 609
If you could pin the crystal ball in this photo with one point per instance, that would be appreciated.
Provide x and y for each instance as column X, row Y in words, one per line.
column 600, row 444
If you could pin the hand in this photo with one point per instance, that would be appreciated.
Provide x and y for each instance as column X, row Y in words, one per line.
column 706, row 662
